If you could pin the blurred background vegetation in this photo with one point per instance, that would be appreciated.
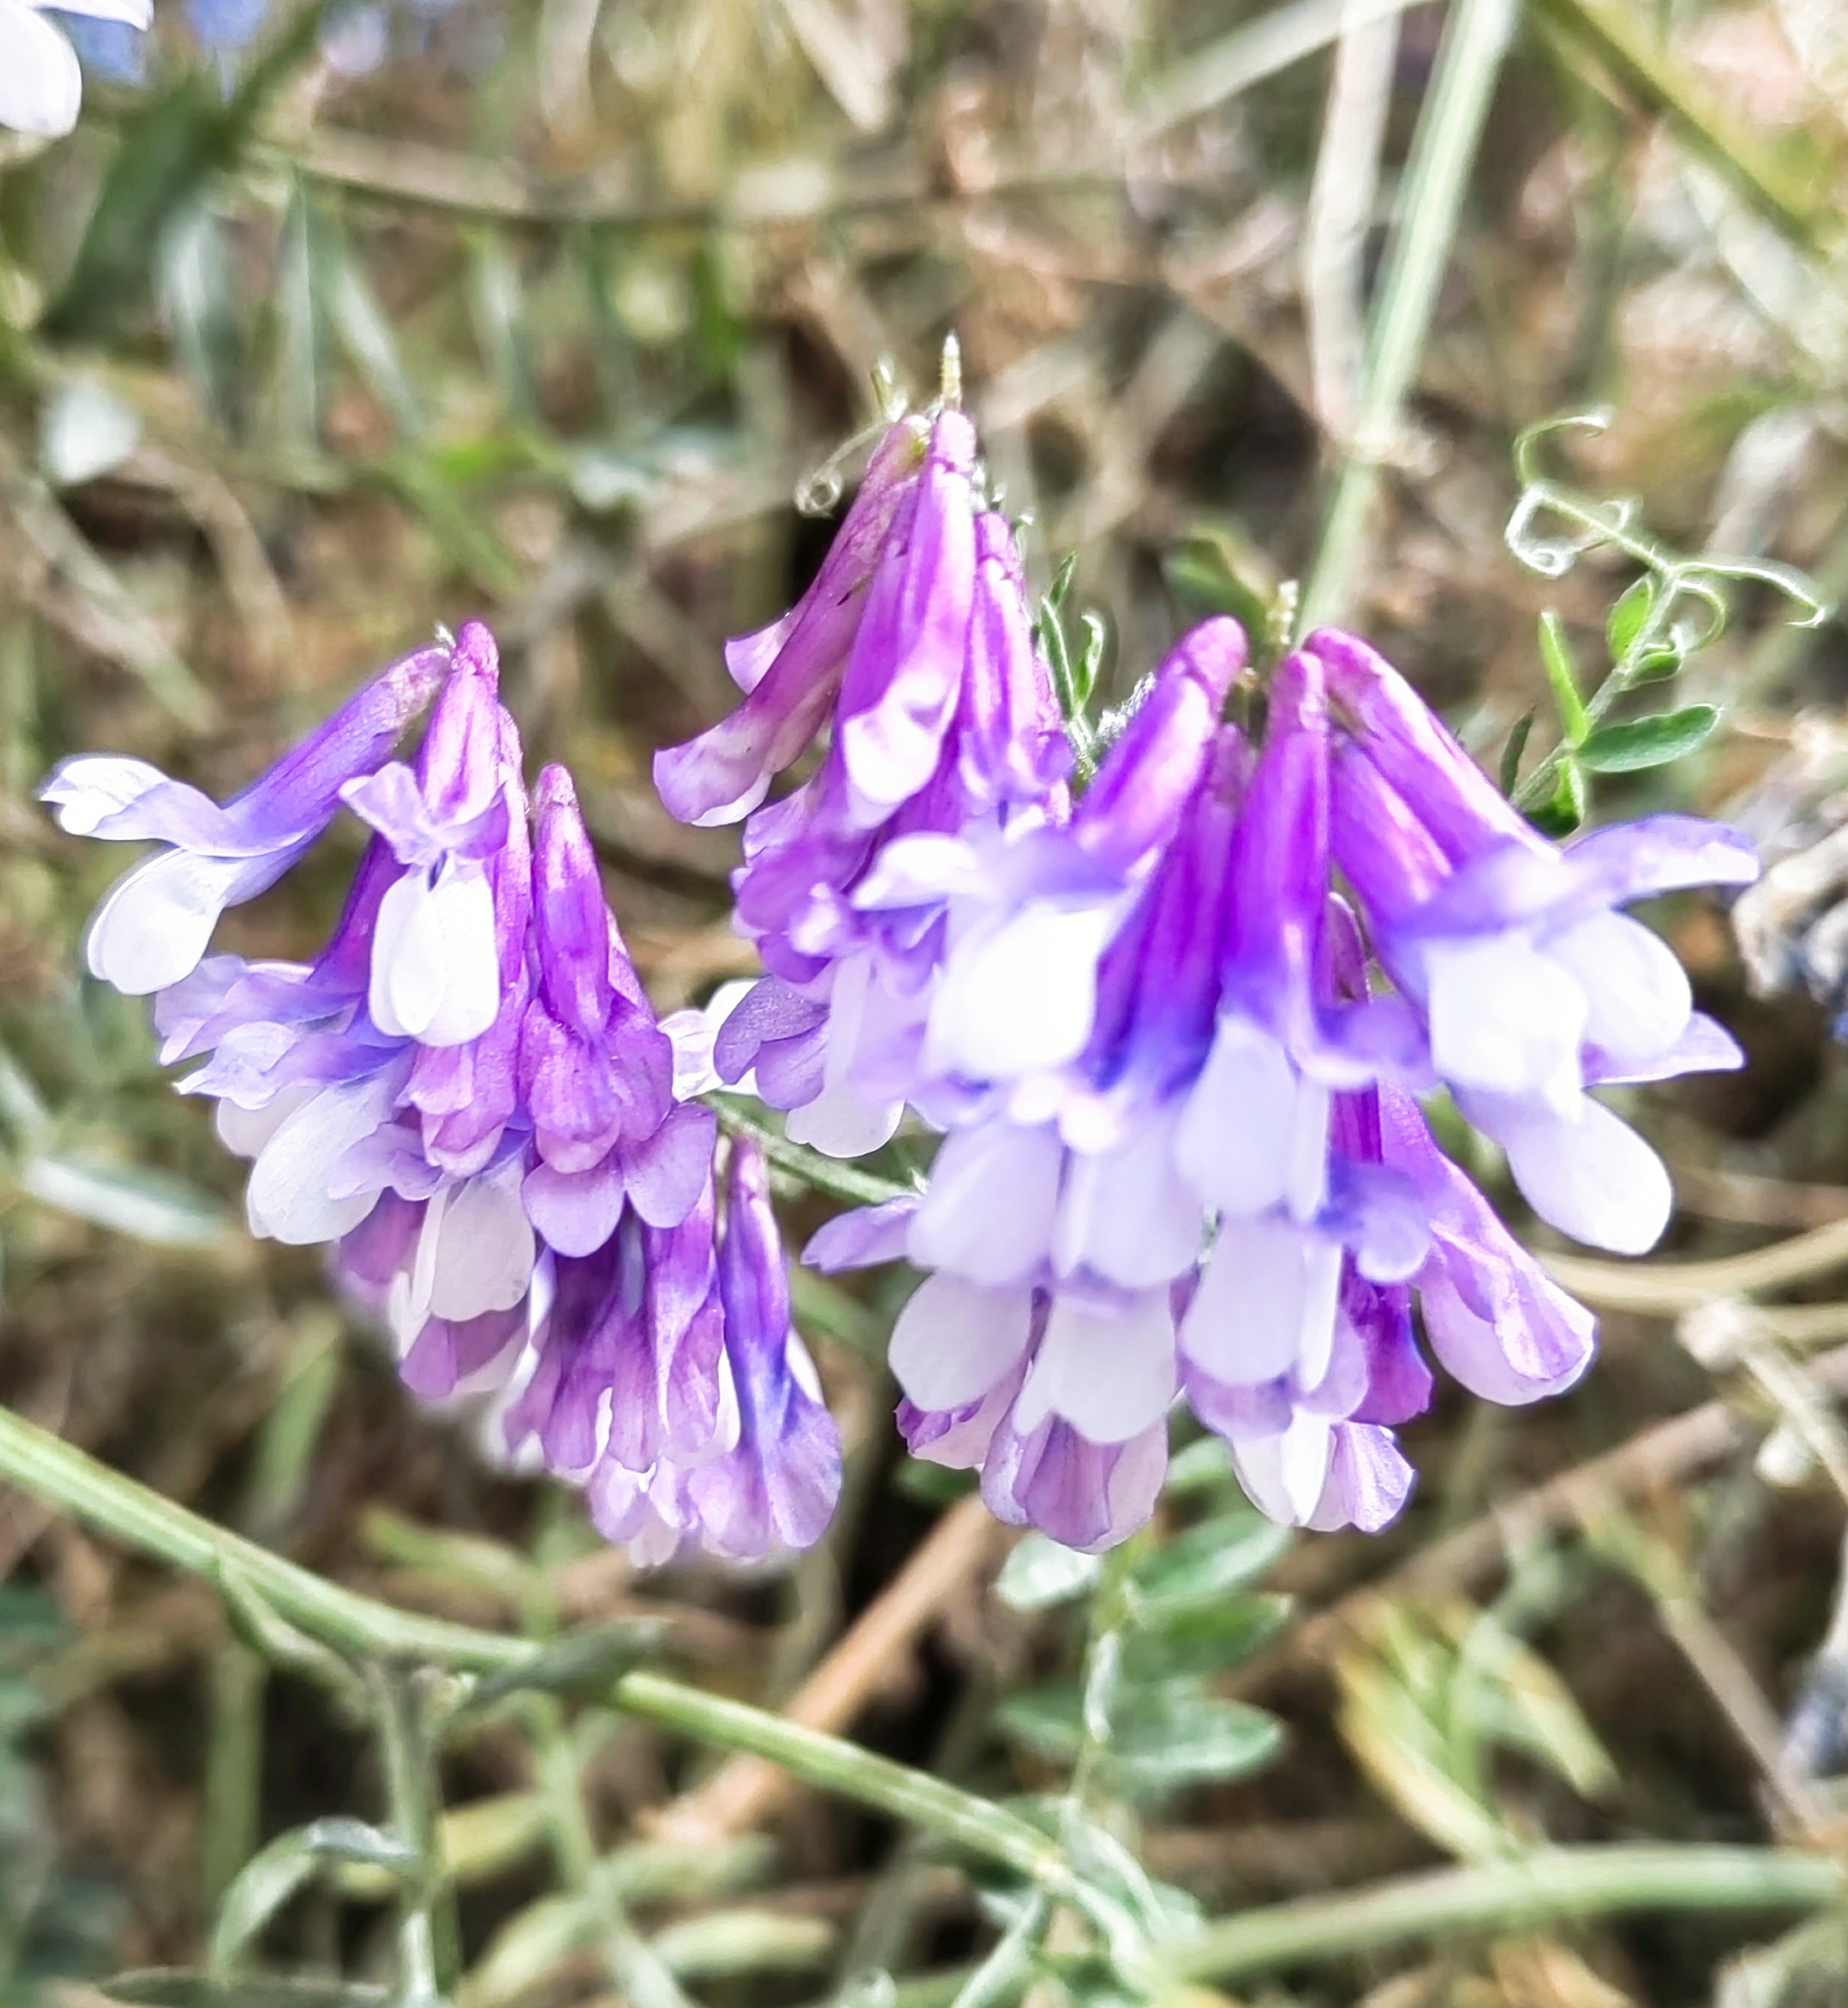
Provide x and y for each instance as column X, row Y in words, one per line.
column 553, row 314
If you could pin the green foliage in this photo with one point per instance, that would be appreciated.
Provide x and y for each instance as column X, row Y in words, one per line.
column 1678, row 606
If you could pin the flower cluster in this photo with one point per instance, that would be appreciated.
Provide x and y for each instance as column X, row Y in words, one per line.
column 1176, row 1034
column 468, row 1098
column 1177, row 1031
column 915, row 642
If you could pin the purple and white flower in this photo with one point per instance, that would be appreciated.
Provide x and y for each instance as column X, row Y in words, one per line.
column 915, row 645
column 156, row 923
column 467, row 1097
column 1533, row 986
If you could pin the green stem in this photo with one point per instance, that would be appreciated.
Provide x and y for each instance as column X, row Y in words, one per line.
column 740, row 1116
column 1443, row 148
column 428, row 1941
column 60, row 1475
column 1546, row 1887
column 633, row 1966
column 954, row 1815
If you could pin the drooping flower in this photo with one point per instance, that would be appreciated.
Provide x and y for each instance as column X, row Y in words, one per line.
column 41, row 86
column 468, row 1098
column 153, row 928
column 914, row 645
column 1533, row 986
column 1218, row 1185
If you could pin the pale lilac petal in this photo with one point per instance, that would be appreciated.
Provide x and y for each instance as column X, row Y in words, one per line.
column 575, row 1212
column 436, row 958
column 862, row 1238
column 155, row 923
column 1021, row 995
column 1504, row 1017
column 1125, row 1213
column 1589, row 1174
column 1108, row 1371
column 1253, row 1132
column 41, row 87
column 1657, row 854
column 1367, row 1483
column 665, row 1173
column 1705, row 1046
column 288, row 1198
column 1265, row 1302
column 840, row 1123
column 954, row 1340
column 988, row 1213
column 1638, row 994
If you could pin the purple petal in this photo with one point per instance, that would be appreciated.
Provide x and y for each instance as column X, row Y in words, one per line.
column 1143, row 784
column 1458, row 803
column 862, row 1238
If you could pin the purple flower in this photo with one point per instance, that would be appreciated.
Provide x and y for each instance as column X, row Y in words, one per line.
column 595, row 1070
column 916, row 641
column 1213, row 1183
column 155, row 926
column 791, row 670
column 467, row 1097
column 1531, row 986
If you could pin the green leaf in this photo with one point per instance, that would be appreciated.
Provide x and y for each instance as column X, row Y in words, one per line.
column 1225, row 1553
column 170, row 150
column 1181, row 1739
column 585, row 1663
column 1049, row 1721
column 1629, row 617
column 1557, row 655
column 1040, row 1573
column 1642, row 742
column 1511, row 752
column 1198, row 1467
column 1660, row 659
column 270, row 1878
column 147, row 1205
column 1207, row 1640
column 1564, row 810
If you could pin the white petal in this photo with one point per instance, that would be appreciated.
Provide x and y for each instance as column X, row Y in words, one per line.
column 1592, row 1177
column 244, row 1131
column 83, row 791
column 838, row 1124
column 953, row 1341
column 156, row 922
column 436, row 968
column 1109, row 1373
column 1239, row 1132
column 988, row 1214
column 1283, row 1475
column 1125, row 1213
column 1320, row 1304
column 1254, row 1315
column 138, row 14
column 41, row 87
column 1503, row 1016
column 1637, row 989
column 287, row 1200
column 484, row 1248
column 1022, row 995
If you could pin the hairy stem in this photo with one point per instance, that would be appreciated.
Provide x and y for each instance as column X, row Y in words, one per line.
column 60, row 1475
column 1546, row 1887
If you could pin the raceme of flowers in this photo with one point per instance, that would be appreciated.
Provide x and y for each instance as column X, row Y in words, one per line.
column 466, row 1098
column 1176, row 1034
column 1176, row 1030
